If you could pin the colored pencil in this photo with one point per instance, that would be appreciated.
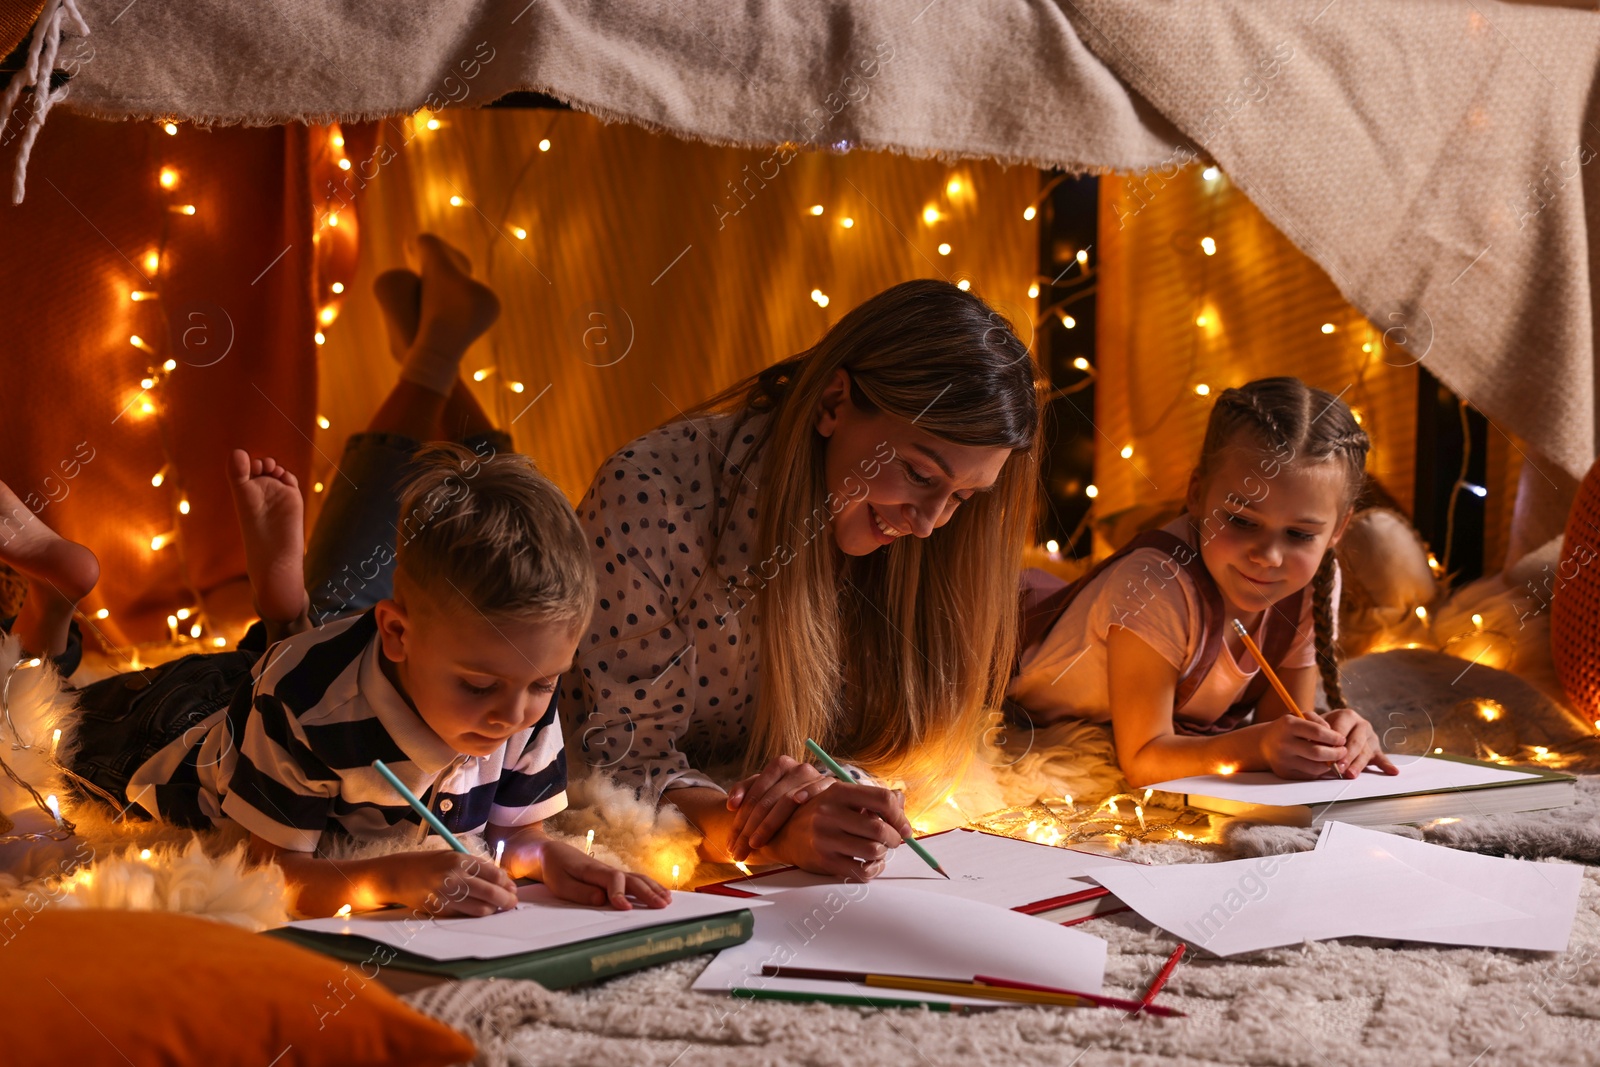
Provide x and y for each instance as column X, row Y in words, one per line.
column 845, row 776
column 1161, row 978
column 421, row 808
column 944, row 986
column 1121, row 1003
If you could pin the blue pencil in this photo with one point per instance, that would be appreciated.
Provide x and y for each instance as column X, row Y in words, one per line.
column 422, row 809
column 845, row 776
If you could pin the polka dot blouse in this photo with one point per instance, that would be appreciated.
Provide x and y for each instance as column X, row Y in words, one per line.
column 665, row 680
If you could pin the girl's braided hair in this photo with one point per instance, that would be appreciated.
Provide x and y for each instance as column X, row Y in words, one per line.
column 1296, row 423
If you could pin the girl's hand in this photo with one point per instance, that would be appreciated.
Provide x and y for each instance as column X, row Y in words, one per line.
column 766, row 801
column 445, row 882
column 845, row 831
column 573, row 875
column 1360, row 742
column 1301, row 748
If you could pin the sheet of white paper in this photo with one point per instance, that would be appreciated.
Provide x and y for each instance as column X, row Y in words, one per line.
column 1244, row 905
column 540, row 921
column 996, row 870
column 1544, row 894
column 1418, row 774
column 892, row 929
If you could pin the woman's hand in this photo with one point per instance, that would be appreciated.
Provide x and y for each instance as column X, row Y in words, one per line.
column 573, row 875
column 764, row 802
column 1302, row 748
column 845, row 831
column 1360, row 742
column 444, row 882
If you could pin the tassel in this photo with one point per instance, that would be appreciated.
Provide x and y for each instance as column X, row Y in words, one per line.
column 42, row 52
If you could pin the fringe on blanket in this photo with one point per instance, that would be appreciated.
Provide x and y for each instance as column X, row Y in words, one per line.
column 35, row 74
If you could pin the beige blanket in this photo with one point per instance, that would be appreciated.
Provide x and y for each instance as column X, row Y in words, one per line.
column 1431, row 155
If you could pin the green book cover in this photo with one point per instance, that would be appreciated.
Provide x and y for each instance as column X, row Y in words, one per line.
column 556, row 968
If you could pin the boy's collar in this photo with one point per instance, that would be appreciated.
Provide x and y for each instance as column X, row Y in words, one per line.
column 394, row 709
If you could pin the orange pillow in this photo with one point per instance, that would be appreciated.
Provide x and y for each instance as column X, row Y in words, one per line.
column 96, row 986
column 1573, row 594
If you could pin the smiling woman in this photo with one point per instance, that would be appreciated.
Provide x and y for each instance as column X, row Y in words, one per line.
column 830, row 550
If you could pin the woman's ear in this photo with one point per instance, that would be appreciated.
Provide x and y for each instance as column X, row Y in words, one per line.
column 390, row 616
column 834, row 395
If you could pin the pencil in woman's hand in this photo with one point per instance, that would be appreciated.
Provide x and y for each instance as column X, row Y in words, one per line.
column 845, row 776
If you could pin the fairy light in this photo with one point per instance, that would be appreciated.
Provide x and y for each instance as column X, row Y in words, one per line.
column 1208, row 246
column 1127, row 452
column 519, row 233
column 1028, row 213
column 499, row 851
column 944, row 248
column 219, row 642
column 183, row 506
column 171, row 128
column 588, row 843
column 1202, row 320
column 1491, row 710
column 515, row 387
column 147, row 383
column 1227, row 768
column 344, row 164
column 1068, row 322
column 152, row 262
column 337, row 140
column 1111, row 806
column 172, row 627
column 103, row 613
column 337, row 287
column 1052, row 546
column 139, row 296
column 168, row 178
column 544, row 145
column 930, row 215
column 182, row 209
column 819, row 297
column 953, row 188
column 159, row 541
column 1082, row 257
column 144, row 853
column 55, row 807
column 327, row 315
column 677, row 879
column 319, row 337
column 1477, row 620
column 322, row 422
column 964, row 284
column 343, row 912
column 333, row 219
column 1080, row 363
column 1138, row 811
column 456, row 201
column 816, row 209
column 1068, row 798
column 195, row 631
column 1091, row 490
column 1327, row 327
column 1422, row 613
column 317, row 488
column 1210, row 174
column 1033, row 291
column 55, row 742
column 847, row 222
column 1202, row 389
column 1148, row 793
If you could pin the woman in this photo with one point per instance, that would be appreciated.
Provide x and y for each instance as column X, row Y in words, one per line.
column 829, row 549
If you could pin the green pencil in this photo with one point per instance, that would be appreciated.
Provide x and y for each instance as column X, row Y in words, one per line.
column 845, row 776
column 422, row 809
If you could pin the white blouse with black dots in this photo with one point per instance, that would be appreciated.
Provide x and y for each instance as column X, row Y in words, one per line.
column 665, row 679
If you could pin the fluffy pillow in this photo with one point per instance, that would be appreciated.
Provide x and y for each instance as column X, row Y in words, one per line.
column 1573, row 593
column 154, row 987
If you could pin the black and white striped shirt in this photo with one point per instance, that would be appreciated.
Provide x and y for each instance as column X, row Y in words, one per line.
column 291, row 756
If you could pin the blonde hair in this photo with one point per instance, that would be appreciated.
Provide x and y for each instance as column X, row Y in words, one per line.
column 1286, row 416
column 495, row 532
column 891, row 660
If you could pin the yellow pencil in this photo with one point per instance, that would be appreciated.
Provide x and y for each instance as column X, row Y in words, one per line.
column 1272, row 676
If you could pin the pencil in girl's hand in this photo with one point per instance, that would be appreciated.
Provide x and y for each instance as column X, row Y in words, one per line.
column 845, row 776
column 1266, row 668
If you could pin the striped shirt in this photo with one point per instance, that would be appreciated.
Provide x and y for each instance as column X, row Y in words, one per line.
column 291, row 757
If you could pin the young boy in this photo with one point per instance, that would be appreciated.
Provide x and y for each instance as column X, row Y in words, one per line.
column 446, row 671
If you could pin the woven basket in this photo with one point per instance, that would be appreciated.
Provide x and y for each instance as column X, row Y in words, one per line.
column 1575, row 603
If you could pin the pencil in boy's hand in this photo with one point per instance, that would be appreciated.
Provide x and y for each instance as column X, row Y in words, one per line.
column 845, row 776
column 421, row 808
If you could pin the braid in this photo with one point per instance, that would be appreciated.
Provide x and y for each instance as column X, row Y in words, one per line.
column 1323, row 623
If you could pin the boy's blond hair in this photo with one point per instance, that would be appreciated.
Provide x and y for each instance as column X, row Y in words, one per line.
column 493, row 534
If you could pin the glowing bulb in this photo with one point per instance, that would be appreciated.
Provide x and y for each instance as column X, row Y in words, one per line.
column 183, row 506
column 171, row 128
column 146, row 408
column 954, row 187
column 1540, row 751
column 338, row 140
column 183, row 209
column 344, row 164
column 34, row 662
column 1111, row 805
column 168, row 178
column 54, row 805
column 1148, row 793
column 1422, row 613
column 820, row 297
column 456, row 201
column 1138, row 812
column 519, row 233
column 963, row 285
column 1080, row 363
column 103, row 613
column 1445, row 822
column 1033, row 291
column 676, row 878
column 1052, row 546
column 1477, row 620
column 172, row 621
column 1068, row 798
column 1438, row 751
column 944, row 249
column 343, row 912
column 847, row 222
column 144, row 853
column 1069, row 322
column 433, row 124
column 1355, row 413
column 317, row 488
column 816, row 209
column 1127, row 451
column 742, row 866
column 333, row 218
column 1490, row 710
column 157, row 542
column 1367, row 347
column 140, row 295
column 1327, row 327
column 930, row 214
column 588, row 843
column 1227, row 768
column 1201, row 320
column 480, row 375
column 157, row 478
column 219, row 642
column 147, row 383
column 515, row 387
column 183, row 613
column 1091, row 491
column 327, row 315
column 337, row 287
column 1210, row 174
column 152, row 262
column 322, row 421
column 1028, row 213
column 1082, row 257
column 1208, row 246
column 319, row 337
column 544, row 145
column 1202, row 389
column 170, row 365
column 1475, row 490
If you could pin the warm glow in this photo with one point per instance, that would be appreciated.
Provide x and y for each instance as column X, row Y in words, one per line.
column 170, row 365
column 480, row 375
column 1327, row 327
column 519, row 233
column 1091, row 491
column 816, row 209
column 1080, row 363
column 319, row 337
column 433, row 124
column 1437, row 751
column 1210, row 174
column 1052, row 545
column 152, row 262
column 1033, row 291
column 183, row 613
column 1028, row 213
column 171, row 128
column 168, row 178
column 588, row 843
column 676, row 876
column 194, row 631
column 820, row 297
column 1227, row 768
column 741, row 865
column 1491, row 710
column 183, row 506
column 1422, row 613
column 157, row 478
column 1201, row 320
column 1202, row 389
column 337, row 287
column 944, row 249
column 144, row 853
column 1355, row 413
column 327, row 315
column 344, row 164
column 172, row 621
column 954, row 187
column 930, row 214
column 317, row 488
column 103, row 613
column 1082, row 257
column 544, row 145
column 338, row 140
column 1444, row 822
column 184, row 209
column 1367, row 347
column 343, row 912
column 333, row 219
column 515, row 387
column 147, row 383
column 139, row 295
column 1068, row 322
column 963, row 285
column 322, row 421
column 456, row 201
column 146, row 408
column 219, row 642
column 1477, row 620
column 1208, row 246
column 847, row 222
column 1127, row 451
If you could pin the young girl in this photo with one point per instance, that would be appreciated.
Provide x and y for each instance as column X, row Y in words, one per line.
column 1146, row 640
column 828, row 550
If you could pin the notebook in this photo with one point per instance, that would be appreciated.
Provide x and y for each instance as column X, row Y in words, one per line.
column 1427, row 787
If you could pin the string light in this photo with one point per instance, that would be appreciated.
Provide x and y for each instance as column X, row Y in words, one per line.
column 1327, row 327
column 1227, row 768
column 515, row 387
column 1052, row 546
column 743, row 867
column 139, row 296
column 1033, row 291
column 317, row 488
column 219, row 642
column 930, row 215
column 152, row 261
column 944, row 249
column 847, row 222
column 1028, row 213
column 1080, row 363
column 159, row 541
column 1202, row 320
column 194, row 631
column 1210, row 174
column 168, row 178
column 820, row 298
column 544, row 145
column 1208, row 246
column 322, row 421
column 677, row 880
column 588, row 844
column 1082, row 257
column 327, row 315
column 181, row 209
column 1477, row 620
column 343, row 912
column 1422, row 613
column 337, row 140
column 1202, row 389
column 333, row 216
column 1091, row 490
column 171, row 128
column 103, row 613
column 147, row 383
column 1127, row 451
column 456, row 201
column 816, row 209
column 337, row 287
column 344, row 164
column 519, row 233
column 954, row 187
column 964, row 285
column 1069, row 322
column 319, row 337
column 183, row 506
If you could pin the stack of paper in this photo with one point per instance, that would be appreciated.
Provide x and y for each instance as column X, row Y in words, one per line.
column 1356, row 883
column 889, row 929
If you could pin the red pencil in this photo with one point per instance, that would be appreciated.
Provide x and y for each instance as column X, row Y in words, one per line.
column 1161, row 979
column 1130, row 1006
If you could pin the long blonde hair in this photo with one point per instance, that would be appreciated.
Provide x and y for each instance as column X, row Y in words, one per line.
column 891, row 659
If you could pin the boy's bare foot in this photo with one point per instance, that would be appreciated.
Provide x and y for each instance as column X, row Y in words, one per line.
column 272, row 520
column 456, row 310
column 399, row 294
column 59, row 573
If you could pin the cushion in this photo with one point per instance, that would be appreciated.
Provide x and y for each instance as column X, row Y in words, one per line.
column 1573, row 593
column 82, row 986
